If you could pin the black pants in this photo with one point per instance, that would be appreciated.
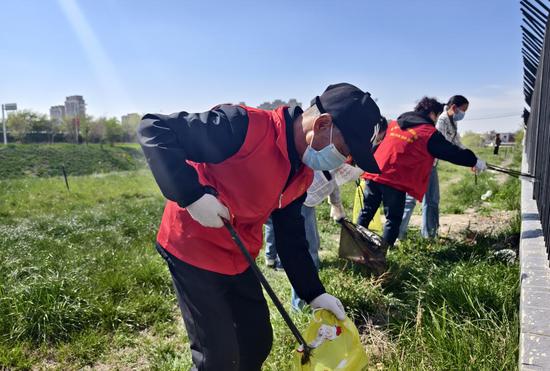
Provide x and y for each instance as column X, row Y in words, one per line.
column 394, row 205
column 226, row 317
column 495, row 151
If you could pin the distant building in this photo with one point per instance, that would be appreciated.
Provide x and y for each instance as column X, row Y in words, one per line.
column 75, row 110
column 294, row 103
column 75, row 106
column 57, row 114
column 129, row 125
column 131, row 119
column 507, row 137
column 277, row 103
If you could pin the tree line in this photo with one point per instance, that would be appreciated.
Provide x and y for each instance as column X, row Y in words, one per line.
column 27, row 126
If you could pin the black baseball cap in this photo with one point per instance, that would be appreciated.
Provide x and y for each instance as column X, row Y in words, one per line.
column 355, row 114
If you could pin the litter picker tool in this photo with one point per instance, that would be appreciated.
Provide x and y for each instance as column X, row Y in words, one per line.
column 307, row 349
column 511, row 172
column 361, row 245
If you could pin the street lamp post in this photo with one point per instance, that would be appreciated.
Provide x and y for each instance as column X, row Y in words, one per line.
column 7, row 107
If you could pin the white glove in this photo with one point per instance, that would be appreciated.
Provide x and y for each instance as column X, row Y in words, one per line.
column 208, row 211
column 480, row 166
column 329, row 303
column 337, row 212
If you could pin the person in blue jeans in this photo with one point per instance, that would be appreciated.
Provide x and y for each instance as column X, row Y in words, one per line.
column 312, row 235
column 326, row 183
column 430, row 210
column 456, row 108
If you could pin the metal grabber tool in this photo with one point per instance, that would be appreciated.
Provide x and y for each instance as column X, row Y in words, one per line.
column 307, row 349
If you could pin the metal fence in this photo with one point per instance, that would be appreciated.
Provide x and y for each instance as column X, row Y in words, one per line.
column 536, row 70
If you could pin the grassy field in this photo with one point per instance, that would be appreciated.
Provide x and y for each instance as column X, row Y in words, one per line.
column 46, row 160
column 459, row 190
column 81, row 285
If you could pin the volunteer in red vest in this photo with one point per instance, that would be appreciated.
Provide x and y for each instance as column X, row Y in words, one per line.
column 243, row 164
column 405, row 158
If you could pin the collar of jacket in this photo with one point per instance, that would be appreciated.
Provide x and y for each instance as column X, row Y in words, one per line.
column 291, row 114
column 451, row 118
column 411, row 119
column 451, row 121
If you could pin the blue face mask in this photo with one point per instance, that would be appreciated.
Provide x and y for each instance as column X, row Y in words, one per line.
column 327, row 158
column 459, row 115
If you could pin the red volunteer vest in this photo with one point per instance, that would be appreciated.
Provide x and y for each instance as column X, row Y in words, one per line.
column 404, row 160
column 250, row 184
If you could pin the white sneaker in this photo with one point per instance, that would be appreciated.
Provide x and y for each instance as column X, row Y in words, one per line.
column 337, row 212
column 270, row 263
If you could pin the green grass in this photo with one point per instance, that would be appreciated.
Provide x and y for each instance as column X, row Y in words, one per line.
column 79, row 265
column 46, row 160
column 81, row 285
column 460, row 190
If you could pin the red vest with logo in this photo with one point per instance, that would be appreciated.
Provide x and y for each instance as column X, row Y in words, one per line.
column 404, row 160
column 250, row 183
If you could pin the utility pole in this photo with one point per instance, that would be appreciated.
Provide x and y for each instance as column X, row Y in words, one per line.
column 6, row 107
column 4, row 127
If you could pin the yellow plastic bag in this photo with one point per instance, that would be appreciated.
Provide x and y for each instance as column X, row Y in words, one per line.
column 336, row 345
column 376, row 222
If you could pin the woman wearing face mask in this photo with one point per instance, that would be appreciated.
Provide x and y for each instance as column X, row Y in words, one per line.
column 447, row 125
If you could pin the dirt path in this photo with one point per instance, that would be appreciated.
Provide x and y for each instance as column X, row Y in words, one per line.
column 454, row 224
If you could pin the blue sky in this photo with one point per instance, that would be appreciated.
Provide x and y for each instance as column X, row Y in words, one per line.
column 166, row 56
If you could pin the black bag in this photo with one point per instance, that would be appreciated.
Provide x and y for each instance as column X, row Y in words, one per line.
column 360, row 245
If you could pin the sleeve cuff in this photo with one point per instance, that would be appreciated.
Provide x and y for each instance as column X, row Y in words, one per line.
column 313, row 295
column 191, row 197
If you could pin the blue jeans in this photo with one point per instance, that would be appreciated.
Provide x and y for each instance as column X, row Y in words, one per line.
column 270, row 249
column 430, row 209
column 410, row 203
column 313, row 240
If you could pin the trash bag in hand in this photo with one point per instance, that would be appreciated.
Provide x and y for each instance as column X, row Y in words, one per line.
column 335, row 345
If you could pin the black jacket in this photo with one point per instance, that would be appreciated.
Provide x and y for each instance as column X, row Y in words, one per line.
column 212, row 137
column 438, row 146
